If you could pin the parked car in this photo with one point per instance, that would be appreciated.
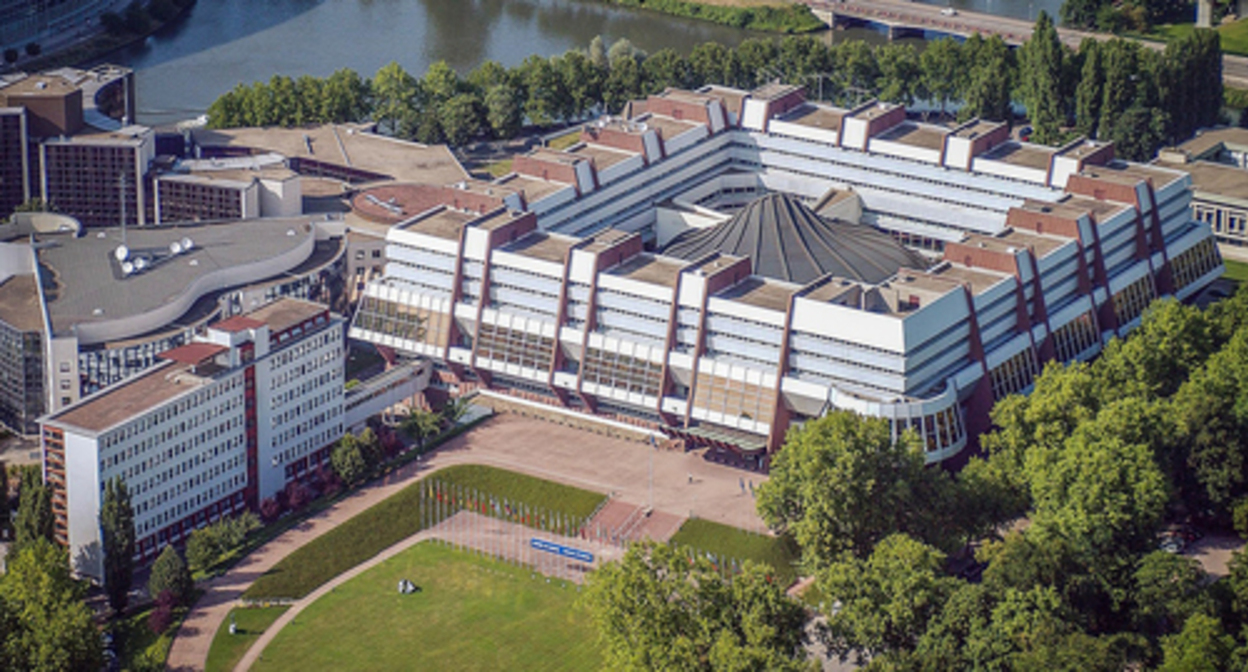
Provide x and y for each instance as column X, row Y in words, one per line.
column 1024, row 133
column 949, row 11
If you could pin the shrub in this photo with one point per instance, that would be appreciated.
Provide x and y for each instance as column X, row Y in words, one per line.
column 169, row 573
column 160, row 619
column 11, row 55
column 297, row 495
column 33, row 49
column 270, row 509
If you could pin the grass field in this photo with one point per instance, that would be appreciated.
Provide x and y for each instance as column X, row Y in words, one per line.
column 722, row 540
column 1235, row 270
column 565, row 141
column 228, row 649
column 471, row 613
column 498, row 168
column 137, row 645
column 399, row 517
column 1234, row 36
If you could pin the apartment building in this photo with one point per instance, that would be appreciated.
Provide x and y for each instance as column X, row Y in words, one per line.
column 220, row 424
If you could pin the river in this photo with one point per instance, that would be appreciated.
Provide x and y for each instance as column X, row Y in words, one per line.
column 220, row 43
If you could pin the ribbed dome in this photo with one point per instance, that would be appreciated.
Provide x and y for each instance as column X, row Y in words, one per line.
column 787, row 241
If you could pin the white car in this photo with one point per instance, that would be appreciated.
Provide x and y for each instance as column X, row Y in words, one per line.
column 949, row 11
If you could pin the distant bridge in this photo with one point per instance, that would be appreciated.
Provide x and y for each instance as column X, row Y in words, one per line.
column 899, row 18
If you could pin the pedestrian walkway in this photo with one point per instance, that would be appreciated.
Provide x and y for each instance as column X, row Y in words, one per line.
column 682, row 483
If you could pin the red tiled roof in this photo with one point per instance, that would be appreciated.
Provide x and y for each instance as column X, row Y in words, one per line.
column 237, row 323
column 193, row 353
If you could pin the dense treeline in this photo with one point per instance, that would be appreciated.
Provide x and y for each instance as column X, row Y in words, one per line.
column 1098, row 457
column 1116, row 91
column 1112, row 16
column 780, row 18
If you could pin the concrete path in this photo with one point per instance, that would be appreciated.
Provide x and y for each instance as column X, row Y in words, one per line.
column 683, row 483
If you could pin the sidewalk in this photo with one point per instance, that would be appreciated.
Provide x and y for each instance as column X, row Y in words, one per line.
column 682, row 483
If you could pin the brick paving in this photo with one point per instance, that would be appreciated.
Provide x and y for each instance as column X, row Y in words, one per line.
column 683, row 483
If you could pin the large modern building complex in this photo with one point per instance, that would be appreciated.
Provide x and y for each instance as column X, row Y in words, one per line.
column 1217, row 160
column 725, row 264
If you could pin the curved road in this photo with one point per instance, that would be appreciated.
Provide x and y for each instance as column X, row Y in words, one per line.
column 1015, row 31
column 683, row 482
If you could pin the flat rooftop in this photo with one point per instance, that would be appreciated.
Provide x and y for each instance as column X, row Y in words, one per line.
column 773, row 90
column 544, row 246
column 39, row 85
column 348, row 145
column 554, row 156
column 978, row 128
column 684, row 96
column 442, row 223
column 533, row 188
column 246, row 174
column 843, row 291
column 285, row 313
column 873, row 110
column 606, row 238
column 1013, row 239
column 19, row 302
column 650, row 269
column 603, row 157
column 129, row 136
column 1019, row 154
column 915, row 135
column 133, row 397
column 1216, row 179
column 1081, row 149
column 978, row 279
column 761, row 292
column 1130, row 173
column 668, row 127
column 84, row 284
column 1099, row 207
column 816, row 116
column 733, row 98
column 926, row 287
column 1209, row 140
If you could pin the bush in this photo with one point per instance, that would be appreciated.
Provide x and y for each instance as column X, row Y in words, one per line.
column 113, row 23
column 11, row 55
column 160, row 619
column 297, row 495
column 208, row 544
column 33, row 49
column 170, row 574
column 270, row 509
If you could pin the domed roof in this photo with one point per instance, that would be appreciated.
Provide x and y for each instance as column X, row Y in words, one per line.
column 787, row 241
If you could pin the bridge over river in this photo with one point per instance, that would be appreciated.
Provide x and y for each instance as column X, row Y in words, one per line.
column 915, row 19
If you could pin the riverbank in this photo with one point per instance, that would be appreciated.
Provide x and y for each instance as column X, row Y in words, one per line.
column 1234, row 36
column 787, row 18
column 104, row 43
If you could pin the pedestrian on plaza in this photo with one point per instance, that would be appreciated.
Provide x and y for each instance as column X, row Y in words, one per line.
column 751, row 487
column 741, row 482
column 691, row 478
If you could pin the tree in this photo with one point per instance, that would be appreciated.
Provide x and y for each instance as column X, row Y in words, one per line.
column 348, row 461
column 1040, row 81
column 709, row 61
column 659, row 608
column 420, row 425
column 842, row 484
column 886, row 600
column 901, row 74
column 455, row 409
column 548, row 98
column 344, row 97
column 989, row 87
column 1202, row 645
column 598, row 52
column 1168, row 591
column 440, row 83
column 34, row 511
column 666, row 68
column 462, row 118
column 1091, row 90
column 117, row 527
column 944, row 71
column 623, row 83
column 1081, row 13
column 582, row 80
column 169, row 573
column 394, row 96
column 1213, row 408
column 33, row 49
column 48, row 626
column 504, row 110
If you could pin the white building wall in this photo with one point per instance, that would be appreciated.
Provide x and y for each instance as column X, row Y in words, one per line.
column 82, row 481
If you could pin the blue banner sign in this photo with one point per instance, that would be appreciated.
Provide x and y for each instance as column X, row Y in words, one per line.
column 552, row 547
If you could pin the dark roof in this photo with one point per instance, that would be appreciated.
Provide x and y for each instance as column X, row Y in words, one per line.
column 785, row 240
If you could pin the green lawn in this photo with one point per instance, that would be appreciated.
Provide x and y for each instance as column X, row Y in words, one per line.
column 723, row 540
column 228, row 649
column 401, row 516
column 498, row 168
column 1234, row 35
column 1235, row 270
column 137, row 645
column 471, row 613
column 565, row 141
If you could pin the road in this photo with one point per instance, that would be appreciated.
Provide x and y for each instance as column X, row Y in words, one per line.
column 902, row 13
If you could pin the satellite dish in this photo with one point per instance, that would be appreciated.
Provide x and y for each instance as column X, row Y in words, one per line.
column 175, row 248
column 187, row 244
column 127, row 268
column 121, row 253
column 140, row 264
